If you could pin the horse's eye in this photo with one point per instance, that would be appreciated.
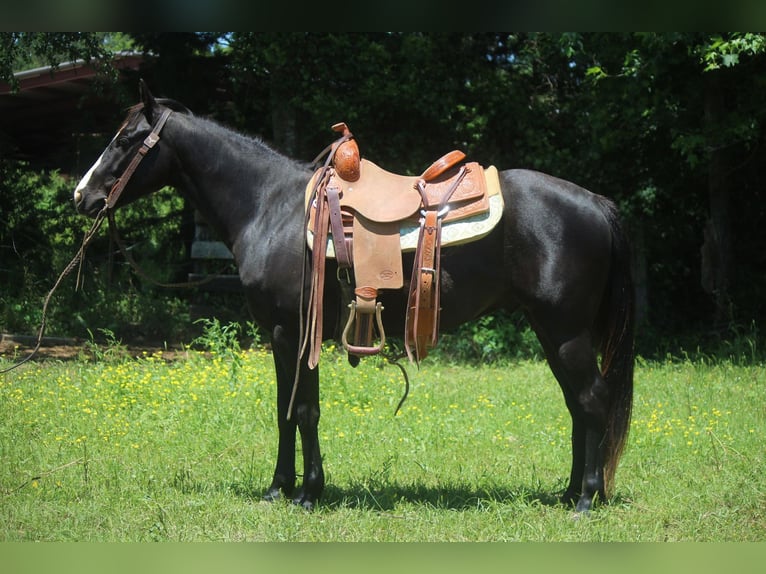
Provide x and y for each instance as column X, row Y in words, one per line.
column 123, row 141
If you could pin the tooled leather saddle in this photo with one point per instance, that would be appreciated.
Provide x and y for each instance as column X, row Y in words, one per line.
column 365, row 217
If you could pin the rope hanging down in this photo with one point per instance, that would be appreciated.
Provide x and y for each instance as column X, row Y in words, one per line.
column 149, row 142
column 77, row 259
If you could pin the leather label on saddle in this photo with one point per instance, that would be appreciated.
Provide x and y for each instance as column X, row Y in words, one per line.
column 378, row 259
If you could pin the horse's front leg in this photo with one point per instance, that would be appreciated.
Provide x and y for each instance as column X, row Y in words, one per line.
column 304, row 416
column 283, row 481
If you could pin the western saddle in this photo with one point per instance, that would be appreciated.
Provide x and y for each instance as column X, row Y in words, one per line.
column 359, row 214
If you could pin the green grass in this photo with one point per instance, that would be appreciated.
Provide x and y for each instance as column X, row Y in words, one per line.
column 149, row 449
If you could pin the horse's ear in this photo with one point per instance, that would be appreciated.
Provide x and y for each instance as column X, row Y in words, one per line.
column 147, row 99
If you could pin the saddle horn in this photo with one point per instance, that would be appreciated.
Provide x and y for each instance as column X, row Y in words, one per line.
column 346, row 159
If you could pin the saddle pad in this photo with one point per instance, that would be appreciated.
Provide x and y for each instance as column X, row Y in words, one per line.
column 454, row 231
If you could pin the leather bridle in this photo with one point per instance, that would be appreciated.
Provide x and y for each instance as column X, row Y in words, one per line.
column 149, row 142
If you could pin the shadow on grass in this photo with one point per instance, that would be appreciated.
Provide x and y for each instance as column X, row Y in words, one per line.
column 387, row 497
column 447, row 497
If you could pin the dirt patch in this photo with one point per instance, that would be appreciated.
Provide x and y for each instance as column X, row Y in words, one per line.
column 16, row 347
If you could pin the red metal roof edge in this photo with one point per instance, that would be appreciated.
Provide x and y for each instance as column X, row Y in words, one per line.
column 68, row 71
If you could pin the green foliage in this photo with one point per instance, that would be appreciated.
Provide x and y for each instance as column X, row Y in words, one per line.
column 623, row 114
column 496, row 338
column 725, row 52
column 218, row 338
column 393, row 85
column 111, row 349
column 40, row 233
column 221, row 338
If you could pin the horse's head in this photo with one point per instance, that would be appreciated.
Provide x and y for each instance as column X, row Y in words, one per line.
column 130, row 142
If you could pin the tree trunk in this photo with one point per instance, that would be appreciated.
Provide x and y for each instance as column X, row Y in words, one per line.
column 283, row 118
column 716, row 249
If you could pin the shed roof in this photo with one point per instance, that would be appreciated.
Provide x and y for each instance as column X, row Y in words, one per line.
column 47, row 110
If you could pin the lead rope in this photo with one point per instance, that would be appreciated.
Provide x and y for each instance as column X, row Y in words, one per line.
column 115, row 234
column 77, row 259
column 114, row 194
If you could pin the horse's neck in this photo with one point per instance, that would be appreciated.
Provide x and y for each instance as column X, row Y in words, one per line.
column 233, row 181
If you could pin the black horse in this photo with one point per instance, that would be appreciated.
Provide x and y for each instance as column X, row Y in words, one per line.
column 558, row 254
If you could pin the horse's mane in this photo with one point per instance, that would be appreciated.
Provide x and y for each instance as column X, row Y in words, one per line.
column 246, row 140
column 242, row 139
column 134, row 110
column 175, row 106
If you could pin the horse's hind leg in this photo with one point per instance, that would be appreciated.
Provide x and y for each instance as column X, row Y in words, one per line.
column 575, row 366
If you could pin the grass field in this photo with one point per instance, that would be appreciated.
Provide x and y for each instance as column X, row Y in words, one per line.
column 149, row 449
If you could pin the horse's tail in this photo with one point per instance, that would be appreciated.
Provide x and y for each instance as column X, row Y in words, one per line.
column 617, row 344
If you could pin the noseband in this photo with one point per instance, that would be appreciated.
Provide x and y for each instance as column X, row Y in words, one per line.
column 149, row 142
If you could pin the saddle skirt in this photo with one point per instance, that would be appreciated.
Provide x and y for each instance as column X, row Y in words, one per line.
column 383, row 197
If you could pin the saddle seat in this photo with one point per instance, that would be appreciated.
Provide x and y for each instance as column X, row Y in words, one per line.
column 365, row 217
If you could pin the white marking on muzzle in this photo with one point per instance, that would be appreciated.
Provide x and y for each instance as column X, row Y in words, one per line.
column 86, row 178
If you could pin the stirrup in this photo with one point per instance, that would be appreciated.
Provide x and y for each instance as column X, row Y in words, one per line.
column 358, row 349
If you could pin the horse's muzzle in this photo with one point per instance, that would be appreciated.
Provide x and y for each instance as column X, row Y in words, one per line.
column 91, row 205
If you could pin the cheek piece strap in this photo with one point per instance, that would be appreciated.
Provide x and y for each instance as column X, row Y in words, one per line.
column 150, row 141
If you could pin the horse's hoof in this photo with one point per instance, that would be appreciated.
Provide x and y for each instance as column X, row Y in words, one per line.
column 304, row 501
column 307, row 505
column 579, row 515
column 272, row 495
column 584, row 506
column 569, row 498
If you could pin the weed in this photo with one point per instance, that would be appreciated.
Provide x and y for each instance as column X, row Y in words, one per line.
column 217, row 338
column 109, row 350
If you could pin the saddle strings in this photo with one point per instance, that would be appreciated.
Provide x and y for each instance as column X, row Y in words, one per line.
column 304, row 330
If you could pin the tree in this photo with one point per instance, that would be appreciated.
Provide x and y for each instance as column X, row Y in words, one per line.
column 669, row 125
column 23, row 50
column 695, row 116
